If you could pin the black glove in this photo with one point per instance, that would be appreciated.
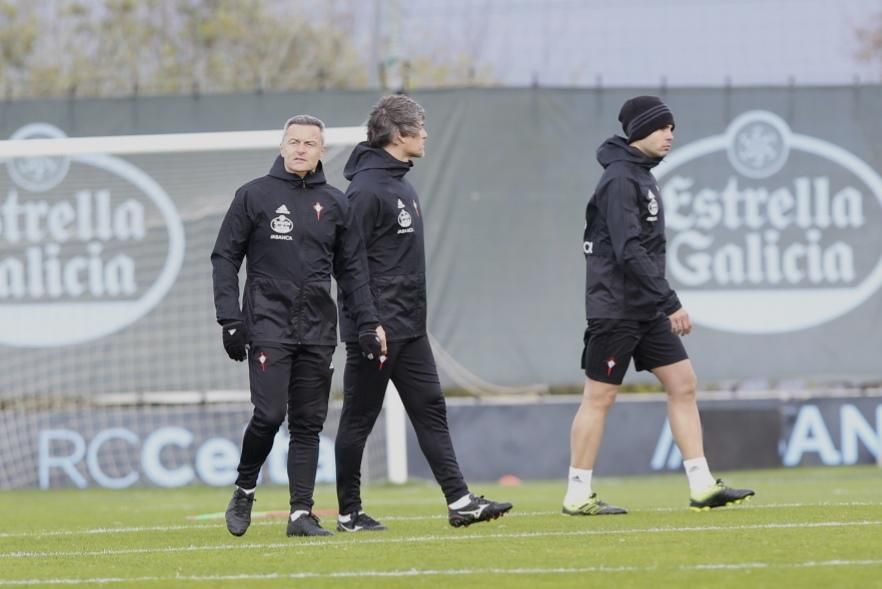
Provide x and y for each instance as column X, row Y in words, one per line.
column 235, row 338
column 369, row 342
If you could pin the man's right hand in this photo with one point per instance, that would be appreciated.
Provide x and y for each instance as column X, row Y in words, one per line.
column 235, row 339
column 681, row 324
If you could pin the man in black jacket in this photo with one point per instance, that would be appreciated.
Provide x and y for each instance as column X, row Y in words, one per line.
column 388, row 211
column 632, row 311
column 296, row 231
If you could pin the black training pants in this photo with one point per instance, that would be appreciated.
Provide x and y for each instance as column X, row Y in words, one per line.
column 295, row 382
column 411, row 367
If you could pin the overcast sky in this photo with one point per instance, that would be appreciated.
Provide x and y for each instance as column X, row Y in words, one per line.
column 639, row 42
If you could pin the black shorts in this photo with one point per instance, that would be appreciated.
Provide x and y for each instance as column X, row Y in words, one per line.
column 611, row 343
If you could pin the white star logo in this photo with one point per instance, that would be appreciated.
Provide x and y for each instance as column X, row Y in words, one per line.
column 610, row 364
column 317, row 207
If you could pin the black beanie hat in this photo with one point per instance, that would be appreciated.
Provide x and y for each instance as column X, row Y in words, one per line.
column 643, row 115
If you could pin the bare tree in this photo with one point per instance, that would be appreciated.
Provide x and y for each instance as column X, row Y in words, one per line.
column 130, row 47
column 870, row 41
column 18, row 36
column 121, row 47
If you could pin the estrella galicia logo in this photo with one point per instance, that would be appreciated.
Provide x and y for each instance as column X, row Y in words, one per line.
column 88, row 244
column 770, row 231
column 404, row 219
column 282, row 224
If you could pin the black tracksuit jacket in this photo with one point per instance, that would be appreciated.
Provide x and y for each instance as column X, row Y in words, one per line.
column 624, row 240
column 387, row 208
column 296, row 232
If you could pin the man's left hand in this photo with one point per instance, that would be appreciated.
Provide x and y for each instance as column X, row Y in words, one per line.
column 373, row 343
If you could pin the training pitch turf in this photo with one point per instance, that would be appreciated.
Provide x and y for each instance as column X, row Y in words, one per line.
column 805, row 528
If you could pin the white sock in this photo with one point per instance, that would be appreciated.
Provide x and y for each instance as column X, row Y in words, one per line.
column 699, row 475
column 248, row 491
column 461, row 502
column 578, row 486
column 298, row 513
column 344, row 518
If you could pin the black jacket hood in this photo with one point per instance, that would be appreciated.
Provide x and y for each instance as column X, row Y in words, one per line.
column 617, row 149
column 313, row 178
column 364, row 157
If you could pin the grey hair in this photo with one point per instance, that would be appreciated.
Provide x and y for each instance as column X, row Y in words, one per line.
column 304, row 120
column 393, row 113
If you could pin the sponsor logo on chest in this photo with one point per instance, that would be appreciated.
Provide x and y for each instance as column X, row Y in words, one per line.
column 652, row 204
column 281, row 225
column 405, row 220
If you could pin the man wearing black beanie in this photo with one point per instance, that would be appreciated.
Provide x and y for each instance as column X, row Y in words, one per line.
column 633, row 312
column 643, row 115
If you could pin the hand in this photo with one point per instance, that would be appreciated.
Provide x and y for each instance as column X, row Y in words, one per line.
column 681, row 324
column 235, row 339
column 373, row 343
column 384, row 348
column 369, row 342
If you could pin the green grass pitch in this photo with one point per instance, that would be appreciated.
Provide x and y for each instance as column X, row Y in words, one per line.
column 806, row 528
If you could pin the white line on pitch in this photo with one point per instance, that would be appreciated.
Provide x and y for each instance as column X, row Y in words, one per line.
column 436, row 572
column 434, row 538
column 214, row 526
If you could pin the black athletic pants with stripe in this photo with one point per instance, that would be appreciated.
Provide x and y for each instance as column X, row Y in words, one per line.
column 411, row 367
column 287, row 381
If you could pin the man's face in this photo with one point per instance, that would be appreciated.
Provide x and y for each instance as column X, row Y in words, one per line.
column 658, row 143
column 302, row 148
column 414, row 145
